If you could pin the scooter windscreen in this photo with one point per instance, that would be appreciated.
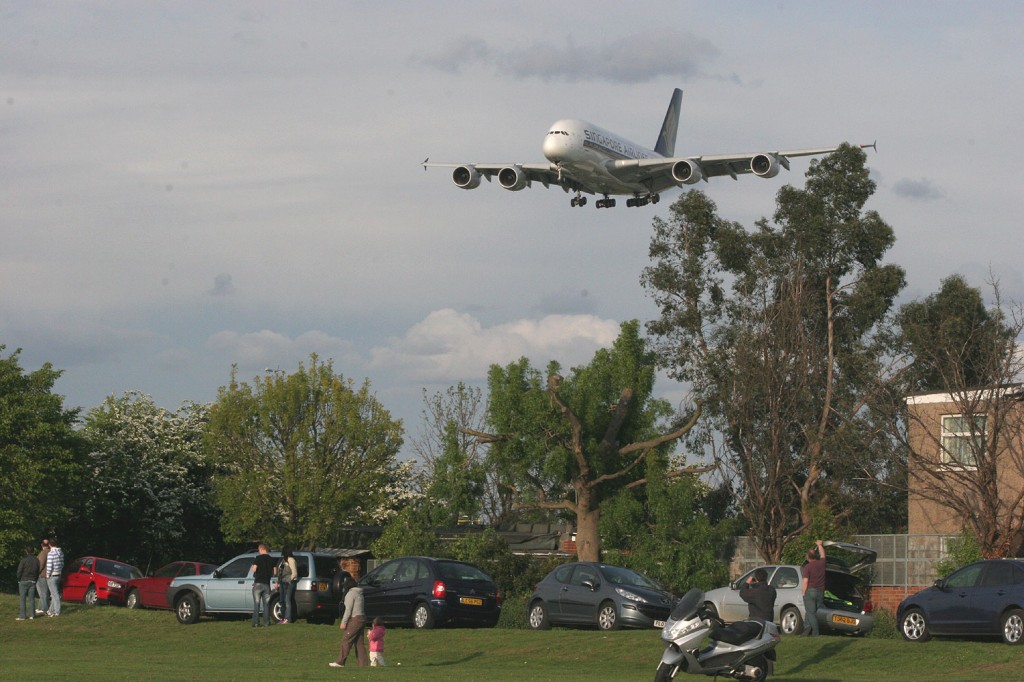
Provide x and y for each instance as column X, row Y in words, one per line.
column 687, row 606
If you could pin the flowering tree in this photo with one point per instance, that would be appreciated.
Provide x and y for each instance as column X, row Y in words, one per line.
column 302, row 455
column 146, row 498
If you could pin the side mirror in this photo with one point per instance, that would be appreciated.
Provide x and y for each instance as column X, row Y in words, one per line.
column 590, row 585
column 734, row 585
column 216, row 573
column 940, row 584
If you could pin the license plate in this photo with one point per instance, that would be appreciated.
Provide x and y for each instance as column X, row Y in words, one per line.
column 471, row 601
column 845, row 620
column 659, row 623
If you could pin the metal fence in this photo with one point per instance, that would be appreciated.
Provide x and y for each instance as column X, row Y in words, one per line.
column 903, row 560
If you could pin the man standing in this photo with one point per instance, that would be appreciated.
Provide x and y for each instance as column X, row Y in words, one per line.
column 813, row 588
column 759, row 595
column 263, row 570
column 42, row 589
column 54, row 567
column 28, row 574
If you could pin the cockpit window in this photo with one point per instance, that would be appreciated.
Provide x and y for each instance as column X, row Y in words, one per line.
column 558, row 132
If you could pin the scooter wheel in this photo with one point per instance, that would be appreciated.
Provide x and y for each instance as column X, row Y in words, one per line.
column 666, row 672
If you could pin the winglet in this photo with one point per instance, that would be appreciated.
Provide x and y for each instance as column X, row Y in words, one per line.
column 666, row 145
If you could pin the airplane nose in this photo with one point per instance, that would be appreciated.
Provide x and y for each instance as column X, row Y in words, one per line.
column 554, row 147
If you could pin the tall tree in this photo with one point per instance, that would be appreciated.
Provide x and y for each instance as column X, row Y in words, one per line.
column 781, row 333
column 969, row 459
column 40, row 456
column 149, row 499
column 568, row 444
column 453, row 474
column 302, row 455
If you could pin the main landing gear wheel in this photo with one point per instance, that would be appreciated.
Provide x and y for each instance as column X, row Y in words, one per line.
column 578, row 201
column 643, row 201
column 605, row 203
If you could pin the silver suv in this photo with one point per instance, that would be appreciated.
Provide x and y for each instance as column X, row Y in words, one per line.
column 228, row 590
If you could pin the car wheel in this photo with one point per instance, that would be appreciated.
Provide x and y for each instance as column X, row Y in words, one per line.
column 914, row 626
column 422, row 618
column 665, row 672
column 538, row 616
column 790, row 621
column 607, row 616
column 1013, row 627
column 276, row 610
column 132, row 602
column 91, row 597
column 187, row 609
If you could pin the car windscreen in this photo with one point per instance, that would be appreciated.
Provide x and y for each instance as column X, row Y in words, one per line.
column 454, row 570
column 117, row 570
column 617, row 575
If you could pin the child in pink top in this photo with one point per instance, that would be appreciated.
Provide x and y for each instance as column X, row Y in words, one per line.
column 377, row 633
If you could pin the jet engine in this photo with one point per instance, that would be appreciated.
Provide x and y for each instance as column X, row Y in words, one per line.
column 466, row 177
column 765, row 165
column 686, row 172
column 512, row 178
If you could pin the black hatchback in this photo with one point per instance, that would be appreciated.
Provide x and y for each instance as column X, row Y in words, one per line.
column 425, row 592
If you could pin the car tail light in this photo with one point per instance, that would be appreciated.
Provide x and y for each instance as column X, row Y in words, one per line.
column 868, row 606
column 439, row 589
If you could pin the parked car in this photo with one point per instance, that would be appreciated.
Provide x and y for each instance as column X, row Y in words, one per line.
column 93, row 580
column 151, row 591
column 228, row 589
column 846, row 610
column 425, row 592
column 985, row 598
column 589, row 593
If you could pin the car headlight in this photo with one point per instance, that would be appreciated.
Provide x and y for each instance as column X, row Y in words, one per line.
column 114, row 585
column 626, row 594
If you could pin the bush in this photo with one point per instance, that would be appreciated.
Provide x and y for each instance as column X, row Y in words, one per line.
column 885, row 625
column 962, row 551
column 513, row 612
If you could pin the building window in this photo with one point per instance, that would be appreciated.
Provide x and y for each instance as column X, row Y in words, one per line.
column 961, row 444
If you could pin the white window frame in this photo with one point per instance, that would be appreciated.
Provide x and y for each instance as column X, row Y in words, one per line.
column 949, row 437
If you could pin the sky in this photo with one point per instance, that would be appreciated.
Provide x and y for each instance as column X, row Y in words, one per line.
column 187, row 186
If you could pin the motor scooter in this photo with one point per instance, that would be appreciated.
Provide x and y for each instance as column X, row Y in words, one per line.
column 744, row 650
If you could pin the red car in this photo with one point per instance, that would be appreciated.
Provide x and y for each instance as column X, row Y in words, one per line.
column 151, row 592
column 93, row 580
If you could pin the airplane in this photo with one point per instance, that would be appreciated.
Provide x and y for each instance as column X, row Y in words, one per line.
column 583, row 158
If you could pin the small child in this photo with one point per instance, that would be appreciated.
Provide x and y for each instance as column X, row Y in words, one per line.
column 377, row 633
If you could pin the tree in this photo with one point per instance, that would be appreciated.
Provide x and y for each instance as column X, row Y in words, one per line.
column 149, row 499
column 568, row 444
column 974, row 468
column 672, row 529
column 40, row 456
column 302, row 455
column 781, row 333
column 454, row 476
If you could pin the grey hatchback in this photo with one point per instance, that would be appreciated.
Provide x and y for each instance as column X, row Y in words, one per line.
column 591, row 593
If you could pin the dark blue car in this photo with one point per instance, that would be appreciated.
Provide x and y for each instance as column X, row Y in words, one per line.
column 982, row 599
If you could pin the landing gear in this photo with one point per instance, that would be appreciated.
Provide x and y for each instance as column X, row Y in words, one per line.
column 643, row 201
column 605, row 203
column 578, row 200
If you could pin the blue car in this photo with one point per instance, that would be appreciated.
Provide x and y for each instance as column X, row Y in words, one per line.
column 982, row 599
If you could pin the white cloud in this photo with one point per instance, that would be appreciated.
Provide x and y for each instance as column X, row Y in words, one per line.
column 452, row 346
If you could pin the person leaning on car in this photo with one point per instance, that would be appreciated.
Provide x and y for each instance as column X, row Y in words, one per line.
column 263, row 569
column 813, row 588
column 759, row 595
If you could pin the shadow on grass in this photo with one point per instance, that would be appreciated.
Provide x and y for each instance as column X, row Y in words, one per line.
column 464, row 659
column 820, row 655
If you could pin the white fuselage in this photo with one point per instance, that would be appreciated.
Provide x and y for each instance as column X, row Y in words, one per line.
column 584, row 152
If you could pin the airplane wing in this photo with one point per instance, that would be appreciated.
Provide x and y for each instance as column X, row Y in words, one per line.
column 523, row 174
column 661, row 173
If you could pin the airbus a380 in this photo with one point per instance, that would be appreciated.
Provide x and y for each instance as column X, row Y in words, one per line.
column 585, row 159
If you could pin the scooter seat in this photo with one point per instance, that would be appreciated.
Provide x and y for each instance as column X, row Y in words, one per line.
column 737, row 633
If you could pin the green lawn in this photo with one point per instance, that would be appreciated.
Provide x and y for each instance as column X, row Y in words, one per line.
column 113, row 643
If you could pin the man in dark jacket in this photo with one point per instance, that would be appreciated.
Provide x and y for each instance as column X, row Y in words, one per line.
column 759, row 595
column 28, row 573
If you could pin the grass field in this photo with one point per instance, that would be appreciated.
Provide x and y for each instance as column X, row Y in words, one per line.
column 113, row 643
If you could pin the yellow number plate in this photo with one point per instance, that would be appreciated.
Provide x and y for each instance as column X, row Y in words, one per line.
column 471, row 601
column 845, row 620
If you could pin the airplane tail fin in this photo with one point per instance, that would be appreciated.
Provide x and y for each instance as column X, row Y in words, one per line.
column 666, row 145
